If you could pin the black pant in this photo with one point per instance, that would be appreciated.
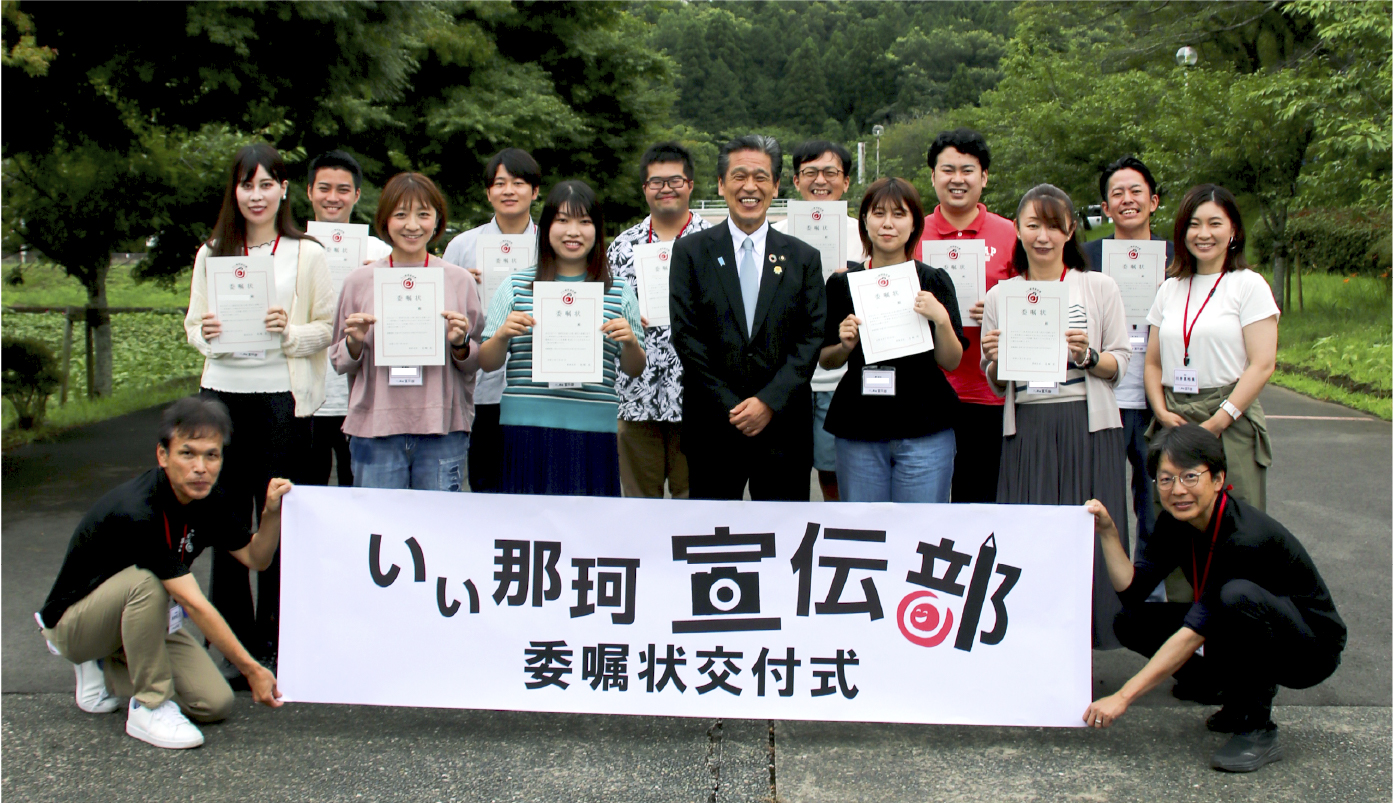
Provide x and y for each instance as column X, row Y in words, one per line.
column 1256, row 641
column 267, row 441
column 777, row 463
column 329, row 450
column 485, row 457
column 1135, row 423
column 978, row 432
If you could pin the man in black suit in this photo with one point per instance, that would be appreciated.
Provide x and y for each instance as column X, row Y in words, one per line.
column 747, row 306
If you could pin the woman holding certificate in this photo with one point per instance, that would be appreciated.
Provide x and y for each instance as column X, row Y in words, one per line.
column 565, row 328
column 403, row 336
column 1218, row 328
column 1055, row 342
column 893, row 417
column 260, row 304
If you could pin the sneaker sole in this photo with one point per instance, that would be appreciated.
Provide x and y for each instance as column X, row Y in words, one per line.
column 1258, row 762
column 104, row 707
column 142, row 735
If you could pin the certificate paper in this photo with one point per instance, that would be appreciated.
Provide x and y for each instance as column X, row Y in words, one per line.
column 408, row 303
column 567, row 344
column 823, row 225
column 239, row 294
column 499, row 255
column 1032, row 317
column 966, row 262
column 345, row 246
column 884, row 300
column 651, row 264
column 1138, row 266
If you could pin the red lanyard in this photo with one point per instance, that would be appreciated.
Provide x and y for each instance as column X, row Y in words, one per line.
column 1200, row 580
column 1066, row 270
column 182, row 541
column 246, row 252
column 427, row 264
column 680, row 231
column 1186, row 333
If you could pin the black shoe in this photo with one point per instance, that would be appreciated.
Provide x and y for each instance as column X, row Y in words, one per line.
column 1229, row 720
column 1248, row 751
column 233, row 676
column 1200, row 693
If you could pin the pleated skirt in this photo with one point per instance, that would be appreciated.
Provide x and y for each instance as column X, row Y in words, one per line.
column 549, row 460
column 1053, row 459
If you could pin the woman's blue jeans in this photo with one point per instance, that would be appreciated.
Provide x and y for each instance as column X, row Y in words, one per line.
column 900, row 470
column 424, row 462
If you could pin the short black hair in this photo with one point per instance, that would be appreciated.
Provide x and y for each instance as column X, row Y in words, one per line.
column 518, row 163
column 812, row 149
column 964, row 140
column 1186, row 446
column 336, row 159
column 751, row 142
column 670, row 151
column 1128, row 162
column 195, row 417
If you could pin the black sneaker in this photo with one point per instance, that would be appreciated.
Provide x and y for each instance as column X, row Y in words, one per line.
column 1200, row 693
column 1248, row 751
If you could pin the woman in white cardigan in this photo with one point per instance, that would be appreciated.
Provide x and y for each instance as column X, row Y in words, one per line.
column 1063, row 444
column 272, row 393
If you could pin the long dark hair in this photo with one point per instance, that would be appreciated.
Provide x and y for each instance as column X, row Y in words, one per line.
column 229, row 236
column 576, row 199
column 1184, row 263
column 1055, row 208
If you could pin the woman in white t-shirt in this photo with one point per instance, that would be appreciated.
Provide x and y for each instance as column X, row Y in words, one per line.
column 270, row 393
column 1214, row 339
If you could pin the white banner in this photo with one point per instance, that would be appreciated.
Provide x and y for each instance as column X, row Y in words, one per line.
column 905, row 613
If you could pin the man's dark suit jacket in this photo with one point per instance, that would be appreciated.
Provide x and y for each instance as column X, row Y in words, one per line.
column 721, row 364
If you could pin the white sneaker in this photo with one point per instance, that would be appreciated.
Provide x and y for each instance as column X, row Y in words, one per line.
column 91, row 689
column 164, row 726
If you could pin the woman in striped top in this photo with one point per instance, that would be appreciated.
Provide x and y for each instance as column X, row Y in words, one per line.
column 559, row 438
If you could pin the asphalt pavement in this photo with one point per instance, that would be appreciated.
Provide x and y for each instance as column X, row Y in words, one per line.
column 1331, row 485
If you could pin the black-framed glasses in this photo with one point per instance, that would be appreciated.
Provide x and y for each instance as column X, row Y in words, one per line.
column 829, row 173
column 673, row 182
column 1188, row 480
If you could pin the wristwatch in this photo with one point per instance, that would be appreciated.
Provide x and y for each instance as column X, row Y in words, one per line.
column 1090, row 361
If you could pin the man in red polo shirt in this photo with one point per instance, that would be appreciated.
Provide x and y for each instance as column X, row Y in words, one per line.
column 960, row 160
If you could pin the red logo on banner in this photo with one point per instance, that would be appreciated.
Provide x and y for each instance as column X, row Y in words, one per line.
column 338, row 236
column 568, row 297
column 408, row 283
column 953, row 253
column 240, row 272
column 883, row 281
column 1034, row 296
column 817, row 213
column 917, row 620
column 1133, row 253
column 505, row 247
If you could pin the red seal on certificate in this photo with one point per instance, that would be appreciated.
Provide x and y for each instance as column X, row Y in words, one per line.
column 883, row 281
column 240, row 271
column 505, row 247
column 953, row 253
column 408, row 282
column 918, row 617
column 1133, row 253
column 568, row 298
column 663, row 255
column 338, row 236
column 1034, row 296
column 817, row 214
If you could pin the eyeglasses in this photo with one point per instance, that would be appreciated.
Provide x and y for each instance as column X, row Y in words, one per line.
column 829, row 173
column 1188, row 480
column 674, row 182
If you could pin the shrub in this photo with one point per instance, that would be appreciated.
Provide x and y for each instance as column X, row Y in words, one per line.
column 1342, row 241
column 28, row 374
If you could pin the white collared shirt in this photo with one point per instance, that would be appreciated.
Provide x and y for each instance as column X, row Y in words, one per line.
column 758, row 236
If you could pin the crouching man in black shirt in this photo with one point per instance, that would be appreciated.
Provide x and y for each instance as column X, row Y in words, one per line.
column 1262, row 615
column 118, row 604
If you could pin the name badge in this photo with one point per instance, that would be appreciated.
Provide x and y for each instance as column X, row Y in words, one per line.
column 878, row 381
column 176, row 617
column 1139, row 344
column 404, row 375
column 1186, row 381
column 251, row 355
column 1042, row 389
column 555, row 385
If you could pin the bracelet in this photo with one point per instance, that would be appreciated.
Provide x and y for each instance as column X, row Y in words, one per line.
column 1228, row 407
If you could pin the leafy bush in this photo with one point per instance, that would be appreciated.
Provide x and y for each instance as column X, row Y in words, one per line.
column 1342, row 241
column 29, row 375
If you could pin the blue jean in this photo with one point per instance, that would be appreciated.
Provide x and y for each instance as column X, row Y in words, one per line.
column 900, row 470
column 824, row 449
column 423, row 462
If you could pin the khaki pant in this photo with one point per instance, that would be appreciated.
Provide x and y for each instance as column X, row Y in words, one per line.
column 126, row 622
column 651, row 452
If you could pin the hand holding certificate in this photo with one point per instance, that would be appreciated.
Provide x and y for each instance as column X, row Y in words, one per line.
column 823, row 225
column 567, row 344
column 1139, row 267
column 499, row 255
column 884, row 300
column 651, row 264
column 409, row 305
column 345, row 247
column 239, row 297
column 1032, row 318
column 965, row 261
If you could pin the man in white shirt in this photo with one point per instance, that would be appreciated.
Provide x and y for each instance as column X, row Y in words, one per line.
column 512, row 180
column 823, row 172
column 334, row 186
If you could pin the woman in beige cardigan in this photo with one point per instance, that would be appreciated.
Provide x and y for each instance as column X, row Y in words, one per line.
column 1063, row 444
column 270, row 394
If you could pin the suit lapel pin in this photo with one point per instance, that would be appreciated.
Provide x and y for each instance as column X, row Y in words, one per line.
column 778, row 269
column 772, row 259
column 721, row 261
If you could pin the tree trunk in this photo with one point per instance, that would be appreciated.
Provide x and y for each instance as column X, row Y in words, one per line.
column 100, row 322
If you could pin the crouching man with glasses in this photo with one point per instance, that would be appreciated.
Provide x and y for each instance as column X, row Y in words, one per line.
column 1262, row 615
